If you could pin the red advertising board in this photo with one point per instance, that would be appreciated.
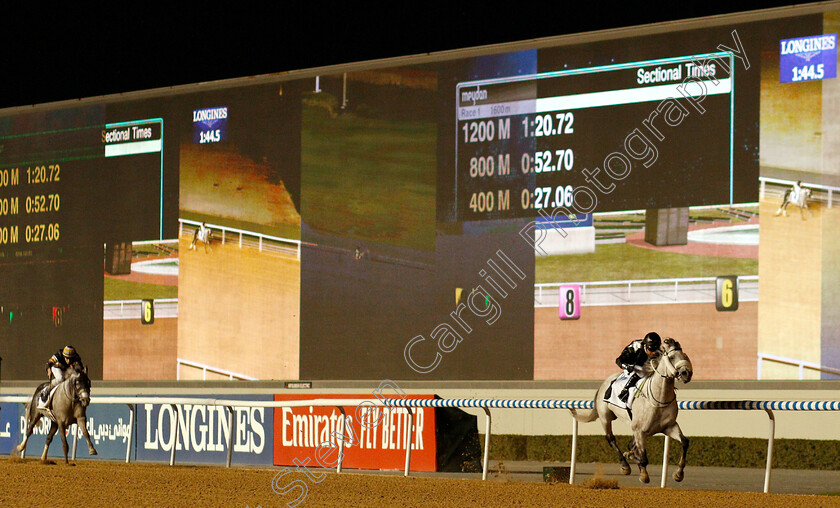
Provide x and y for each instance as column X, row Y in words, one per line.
column 300, row 433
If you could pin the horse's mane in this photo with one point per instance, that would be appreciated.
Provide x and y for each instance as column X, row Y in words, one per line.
column 649, row 367
column 675, row 345
column 71, row 371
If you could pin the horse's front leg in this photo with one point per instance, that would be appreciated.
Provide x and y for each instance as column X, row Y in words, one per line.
column 81, row 422
column 64, row 446
column 625, row 467
column 674, row 432
column 641, row 453
column 53, row 429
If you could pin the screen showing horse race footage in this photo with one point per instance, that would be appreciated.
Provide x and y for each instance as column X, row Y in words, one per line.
column 507, row 215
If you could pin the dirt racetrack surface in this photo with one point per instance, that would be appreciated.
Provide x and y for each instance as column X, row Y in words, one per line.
column 110, row 484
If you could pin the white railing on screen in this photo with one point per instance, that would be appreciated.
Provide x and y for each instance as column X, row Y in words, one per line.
column 250, row 239
column 643, row 291
column 827, row 189
column 800, row 364
column 130, row 309
column 214, row 370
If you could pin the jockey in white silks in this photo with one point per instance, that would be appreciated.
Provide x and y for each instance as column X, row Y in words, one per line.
column 58, row 363
column 634, row 356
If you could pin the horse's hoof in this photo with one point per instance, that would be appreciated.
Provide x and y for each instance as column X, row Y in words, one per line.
column 625, row 470
column 678, row 476
column 92, row 452
column 644, row 479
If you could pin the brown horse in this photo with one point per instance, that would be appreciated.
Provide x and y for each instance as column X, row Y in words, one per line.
column 654, row 409
column 69, row 406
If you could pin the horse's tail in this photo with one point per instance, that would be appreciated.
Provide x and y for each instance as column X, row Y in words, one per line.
column 589, row 416
column 32, row 406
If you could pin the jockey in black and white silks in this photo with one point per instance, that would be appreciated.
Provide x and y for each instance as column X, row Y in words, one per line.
column 634, row 356
column 58, row 363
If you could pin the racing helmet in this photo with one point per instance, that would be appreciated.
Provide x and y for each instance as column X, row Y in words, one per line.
column 69, row 351
column 652, row 341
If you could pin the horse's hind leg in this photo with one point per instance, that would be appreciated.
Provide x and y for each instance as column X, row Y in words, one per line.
column 33, row 420
column 625, row 467
column 674, row 432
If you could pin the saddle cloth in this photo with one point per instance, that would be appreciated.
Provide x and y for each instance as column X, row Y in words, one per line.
column 48, row 404
column 611, row 395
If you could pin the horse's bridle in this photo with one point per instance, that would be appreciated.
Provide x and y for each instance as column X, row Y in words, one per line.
column 75, row 397
column 656, row 369
column 676, row 366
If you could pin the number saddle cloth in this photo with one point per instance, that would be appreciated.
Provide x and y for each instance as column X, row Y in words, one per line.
column 615, row 388
column 47, row 406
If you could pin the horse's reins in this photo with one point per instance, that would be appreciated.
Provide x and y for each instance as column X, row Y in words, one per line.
column 656, row 369
column 75, row 396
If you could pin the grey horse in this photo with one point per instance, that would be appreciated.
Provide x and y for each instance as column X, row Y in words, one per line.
column 69, row 406
column 801, row 202
column 654, row 409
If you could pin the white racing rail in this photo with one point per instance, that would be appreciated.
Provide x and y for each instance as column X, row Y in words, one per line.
column 645, row 291
column 801, row 364
column 485, row 404
column 213, row 370
column 823, row 193
column 259, row 241
column 131, row 309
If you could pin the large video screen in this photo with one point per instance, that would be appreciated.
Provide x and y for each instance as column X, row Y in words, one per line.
column 496, row 215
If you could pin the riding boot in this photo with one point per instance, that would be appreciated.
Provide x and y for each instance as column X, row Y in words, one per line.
column 626, row 391
column 45, row 393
